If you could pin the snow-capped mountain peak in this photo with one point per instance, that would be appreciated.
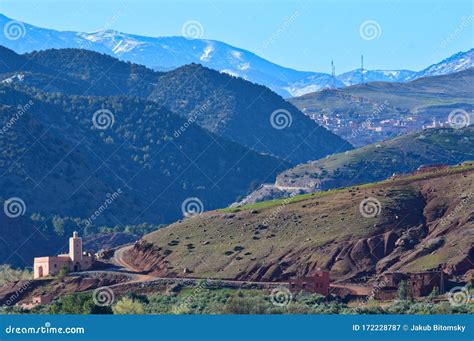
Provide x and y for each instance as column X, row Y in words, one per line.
column 355, row 77
column 164, row 53
column 457, row 62
column 117, row 42
column 207, row 54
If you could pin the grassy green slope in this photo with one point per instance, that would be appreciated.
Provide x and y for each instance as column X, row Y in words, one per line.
column 379, row 161
column 414, row 96
column 414, row 230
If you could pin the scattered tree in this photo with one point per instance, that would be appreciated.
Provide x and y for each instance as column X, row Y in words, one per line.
column 127, row 305
column 404, row 291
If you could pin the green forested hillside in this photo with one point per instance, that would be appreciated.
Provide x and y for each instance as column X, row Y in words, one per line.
column 379, row 161
column 242, row 112
column 227, row 106
column 56, row 159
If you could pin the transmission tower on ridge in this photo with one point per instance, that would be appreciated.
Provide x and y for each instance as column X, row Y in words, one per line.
column 333, row 74
column 362, row 69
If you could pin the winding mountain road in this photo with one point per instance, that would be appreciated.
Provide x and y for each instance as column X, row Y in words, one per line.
column 121, row 266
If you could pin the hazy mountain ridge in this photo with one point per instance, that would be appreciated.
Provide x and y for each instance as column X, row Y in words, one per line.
column 367, row 76
column 371, row 163
column 457, row 62
column 379, row 161
column 377, row 111
column 249, row 115
column 231, row 107
column 165, row 53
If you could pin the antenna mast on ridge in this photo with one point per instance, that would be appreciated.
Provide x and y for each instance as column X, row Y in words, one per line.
column 362, row 69
column 333, row 74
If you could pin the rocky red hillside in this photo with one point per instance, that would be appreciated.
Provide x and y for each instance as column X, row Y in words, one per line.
column 413, row 223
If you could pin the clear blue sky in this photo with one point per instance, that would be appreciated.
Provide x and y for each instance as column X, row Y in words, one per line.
column 304, row 35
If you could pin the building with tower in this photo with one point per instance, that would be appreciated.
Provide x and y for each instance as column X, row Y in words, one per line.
column 75, row 260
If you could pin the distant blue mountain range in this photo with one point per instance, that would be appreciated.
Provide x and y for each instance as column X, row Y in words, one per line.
column 165, row 53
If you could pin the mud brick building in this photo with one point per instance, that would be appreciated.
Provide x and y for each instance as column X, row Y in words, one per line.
column 36, row 301
column 420, row 284
column 318, row 282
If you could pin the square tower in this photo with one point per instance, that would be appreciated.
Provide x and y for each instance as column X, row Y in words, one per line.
column 75, row 247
